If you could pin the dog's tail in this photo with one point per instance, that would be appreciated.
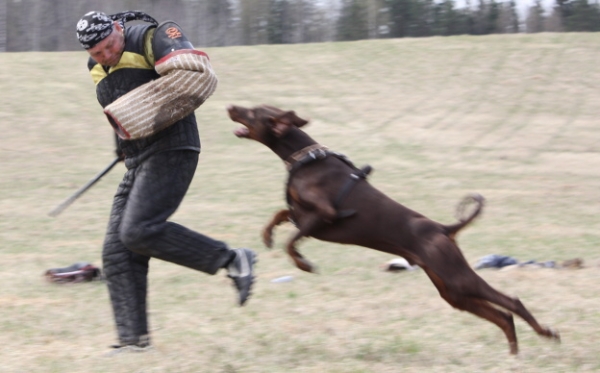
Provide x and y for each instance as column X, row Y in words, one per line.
column 460, row 212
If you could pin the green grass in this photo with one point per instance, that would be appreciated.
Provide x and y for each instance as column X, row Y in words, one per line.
column 513, row 117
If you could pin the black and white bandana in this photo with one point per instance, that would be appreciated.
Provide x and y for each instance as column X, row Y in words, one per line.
column 92, row 28
column 95, row 26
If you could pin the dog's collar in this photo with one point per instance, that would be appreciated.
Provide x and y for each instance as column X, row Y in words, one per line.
column 315, row 151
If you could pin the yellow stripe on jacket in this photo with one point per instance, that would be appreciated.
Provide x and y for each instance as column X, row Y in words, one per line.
column 129, row 60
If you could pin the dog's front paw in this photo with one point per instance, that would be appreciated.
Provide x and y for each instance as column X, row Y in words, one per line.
column 305, row 265
column 552, row 334
column 267, row 238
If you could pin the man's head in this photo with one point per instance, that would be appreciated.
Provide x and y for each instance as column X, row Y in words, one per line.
column 102, row 37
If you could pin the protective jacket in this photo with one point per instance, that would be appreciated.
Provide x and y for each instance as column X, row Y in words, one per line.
column 136, row 68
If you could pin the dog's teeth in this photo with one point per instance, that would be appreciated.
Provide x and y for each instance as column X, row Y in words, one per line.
column 241, row 132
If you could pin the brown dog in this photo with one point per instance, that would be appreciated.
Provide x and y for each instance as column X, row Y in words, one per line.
column 329, row 199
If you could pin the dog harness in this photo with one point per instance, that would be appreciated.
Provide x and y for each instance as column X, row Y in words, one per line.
column 316, row 153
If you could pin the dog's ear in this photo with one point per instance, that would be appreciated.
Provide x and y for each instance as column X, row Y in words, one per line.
column 279, row 127
column 290, row 117
column 282, row 123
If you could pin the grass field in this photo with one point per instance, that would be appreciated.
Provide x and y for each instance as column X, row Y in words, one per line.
column 513, row 117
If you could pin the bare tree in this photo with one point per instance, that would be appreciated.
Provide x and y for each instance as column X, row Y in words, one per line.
column 508, row 19
column 280, row 22
column 307, row 22
column 17, row 36
column 3, row 25
column 209, row 22
column 353, row 21
column 534, row 21
column 553, row 23
column 374, row 19
column 254, row 21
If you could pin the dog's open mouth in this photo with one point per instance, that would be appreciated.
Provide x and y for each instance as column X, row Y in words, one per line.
column 241, row 132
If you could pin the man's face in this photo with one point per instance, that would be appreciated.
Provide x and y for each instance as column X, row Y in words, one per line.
column 108, row 52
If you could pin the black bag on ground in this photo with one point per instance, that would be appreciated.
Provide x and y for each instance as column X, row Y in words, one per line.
column 78, row 272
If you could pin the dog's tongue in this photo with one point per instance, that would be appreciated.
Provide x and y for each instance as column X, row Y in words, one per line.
column 241, row 132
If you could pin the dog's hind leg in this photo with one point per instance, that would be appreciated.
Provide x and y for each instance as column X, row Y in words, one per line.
column 449, row 270
column 457, row 298
column 281, row 216
column 471, row 293
column 503, row 320
column 514, row 305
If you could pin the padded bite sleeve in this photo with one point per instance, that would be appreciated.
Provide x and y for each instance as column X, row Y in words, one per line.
column 187, row 80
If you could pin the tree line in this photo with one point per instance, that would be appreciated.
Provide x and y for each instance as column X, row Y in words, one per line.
column 49, row 25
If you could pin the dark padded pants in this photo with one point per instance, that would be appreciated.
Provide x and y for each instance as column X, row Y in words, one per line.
column 138, row 230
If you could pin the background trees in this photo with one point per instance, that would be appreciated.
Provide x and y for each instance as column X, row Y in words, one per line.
column 44, row 25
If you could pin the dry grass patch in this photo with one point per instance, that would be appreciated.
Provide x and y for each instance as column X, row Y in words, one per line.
column 512, row 117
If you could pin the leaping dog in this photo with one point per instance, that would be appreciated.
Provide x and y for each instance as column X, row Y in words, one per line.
column 329, row 199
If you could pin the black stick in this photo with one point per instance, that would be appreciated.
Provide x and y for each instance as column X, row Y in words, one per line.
column 66, row 203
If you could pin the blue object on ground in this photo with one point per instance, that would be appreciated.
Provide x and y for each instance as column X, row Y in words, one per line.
column 495, row 261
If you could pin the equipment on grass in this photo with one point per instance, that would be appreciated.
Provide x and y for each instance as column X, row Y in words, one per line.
column 78, row 272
